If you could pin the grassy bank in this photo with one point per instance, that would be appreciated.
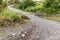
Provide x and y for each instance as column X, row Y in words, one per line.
column 52, row 18
column 9, row 18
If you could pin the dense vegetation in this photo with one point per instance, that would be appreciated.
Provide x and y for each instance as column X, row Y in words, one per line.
column 46, row 8
column 9, row 18
column 52, row 6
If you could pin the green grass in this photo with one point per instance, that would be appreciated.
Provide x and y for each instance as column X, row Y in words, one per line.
column 9, row 18
column 53, row 18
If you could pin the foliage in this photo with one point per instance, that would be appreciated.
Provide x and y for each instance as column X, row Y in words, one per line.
column 29, row 5
column 26, row 3
column 48, row 6
column 8, row 17
column 38, row 6
column 3, row 4
column 51, row 7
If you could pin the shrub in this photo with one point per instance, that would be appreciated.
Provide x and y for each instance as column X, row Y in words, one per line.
column 24, row 17
column 51, row 6
column 8, row 16
column 1, row 8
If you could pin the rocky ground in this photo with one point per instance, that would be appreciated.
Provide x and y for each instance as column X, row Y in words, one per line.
column 6, row 31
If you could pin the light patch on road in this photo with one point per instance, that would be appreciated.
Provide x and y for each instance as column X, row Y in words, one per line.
column 14, row 34
column 23, row 35
column 37, row 36
column 55, row 32
column 51, row 37
column 19, row 33
column 56, row 38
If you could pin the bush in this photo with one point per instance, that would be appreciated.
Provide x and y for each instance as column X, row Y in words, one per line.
column 26, row 3
column 38, row 7
column 8, row 16
column 1, row 8
column 30, row 9
column 51, row 6
column 24, row 17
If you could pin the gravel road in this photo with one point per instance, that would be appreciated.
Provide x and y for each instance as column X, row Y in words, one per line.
column 42, row 29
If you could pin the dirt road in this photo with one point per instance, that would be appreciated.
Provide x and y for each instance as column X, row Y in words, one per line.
column 42, row 29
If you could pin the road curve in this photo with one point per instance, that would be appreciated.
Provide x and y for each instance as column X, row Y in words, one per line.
column 42, row 29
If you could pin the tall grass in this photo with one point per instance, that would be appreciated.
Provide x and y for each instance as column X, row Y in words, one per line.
column 9, row 18
column 53, row 18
